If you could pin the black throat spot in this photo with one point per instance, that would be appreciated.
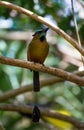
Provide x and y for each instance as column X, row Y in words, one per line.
column 42, row 38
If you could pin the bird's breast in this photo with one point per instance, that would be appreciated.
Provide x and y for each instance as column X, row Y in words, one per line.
column 37, row 51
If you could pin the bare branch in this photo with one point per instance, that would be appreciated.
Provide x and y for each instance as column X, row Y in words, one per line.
column 43, row 20
column 44, row 112
column 76, row 28
column 28, row 88
column 38, row 67
column 16, row 35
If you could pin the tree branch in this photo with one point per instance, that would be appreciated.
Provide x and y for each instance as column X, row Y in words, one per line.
column 38, row 67
column 43, row 20
column 16, row 35
column 76, row 29
column 27, row 88
column 44, row 112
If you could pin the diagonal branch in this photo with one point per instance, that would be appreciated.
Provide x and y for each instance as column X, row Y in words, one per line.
column 43, row 20
column 27, row 88
column 38, row 67
column 76, row 29
column 44, row 112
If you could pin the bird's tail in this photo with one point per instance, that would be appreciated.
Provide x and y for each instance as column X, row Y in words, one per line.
column 36, row 82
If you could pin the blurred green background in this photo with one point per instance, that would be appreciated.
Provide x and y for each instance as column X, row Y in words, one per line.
column 16, row 31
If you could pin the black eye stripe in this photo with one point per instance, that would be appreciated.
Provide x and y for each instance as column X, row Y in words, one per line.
column 38, row 32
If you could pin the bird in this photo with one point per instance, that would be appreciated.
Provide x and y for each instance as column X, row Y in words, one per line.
column 37, row 52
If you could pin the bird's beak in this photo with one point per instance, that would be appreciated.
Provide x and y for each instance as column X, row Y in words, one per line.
column 45, row 30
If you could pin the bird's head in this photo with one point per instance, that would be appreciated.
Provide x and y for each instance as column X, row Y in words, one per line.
column 41, row 33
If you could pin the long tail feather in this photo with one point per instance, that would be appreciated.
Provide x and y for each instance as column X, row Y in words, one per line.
column 36, row 82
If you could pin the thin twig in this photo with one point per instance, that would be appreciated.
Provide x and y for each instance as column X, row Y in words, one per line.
column 76, row 28
column 27, row 88
column 43, row 20
column 38, row 67
column 44, row 112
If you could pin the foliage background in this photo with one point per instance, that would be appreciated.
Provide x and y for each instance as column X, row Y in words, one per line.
column 60, row 96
